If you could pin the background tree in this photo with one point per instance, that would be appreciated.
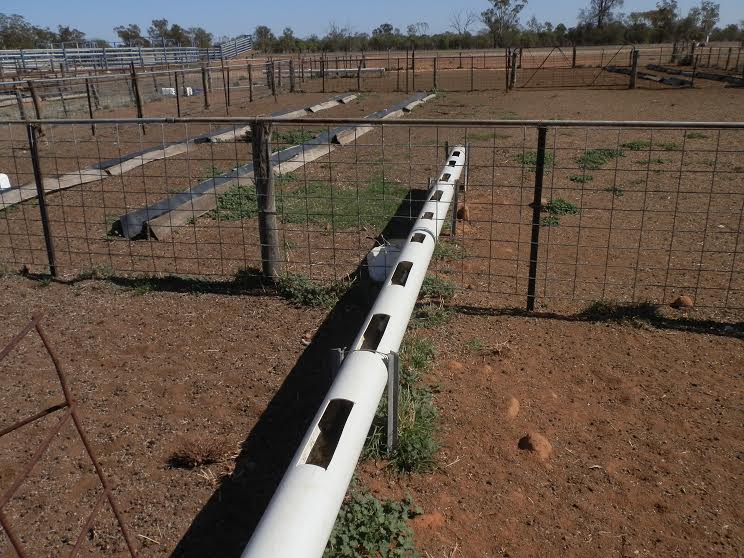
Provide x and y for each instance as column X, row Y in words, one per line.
column 263, row 38
column 501, row 18
column 461, row 22
column 599, row 12
column 200, row 37
column 131, row 35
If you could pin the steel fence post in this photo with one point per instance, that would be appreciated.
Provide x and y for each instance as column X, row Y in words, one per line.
column 542, row 133
column 39, row 179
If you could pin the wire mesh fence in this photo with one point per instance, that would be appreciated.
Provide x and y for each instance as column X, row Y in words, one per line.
column 628, row 212
column 172, row 91
column 183, row 90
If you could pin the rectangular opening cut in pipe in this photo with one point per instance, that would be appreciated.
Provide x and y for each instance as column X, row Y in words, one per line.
column 446, row 176
column 428, row 215
column 400, row 275
column 331, row 425
column 452, row 163
column 418, row 237
column 374, row 332
column 437, row 196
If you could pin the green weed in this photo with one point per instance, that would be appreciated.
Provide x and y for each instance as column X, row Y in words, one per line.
column 416, row 353
column 637, row 145
column 559, row 206
column 290, row 138
column 366, row 526
column 306, row 292
column 696, row 135
column 550, row 221
column 581, row 178
column 529, row 159
column 430, row 315
column 436, row 288
column 237, row 203
column 670, row 146
column 448, row 250
column 342, row 207
column 615, row 191
column 594, row 159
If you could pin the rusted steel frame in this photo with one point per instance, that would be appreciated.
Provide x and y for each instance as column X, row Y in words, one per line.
column 32, row 418
column 88, row 524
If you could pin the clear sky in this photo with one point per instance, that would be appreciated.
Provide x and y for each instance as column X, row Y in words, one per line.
column 234, row 17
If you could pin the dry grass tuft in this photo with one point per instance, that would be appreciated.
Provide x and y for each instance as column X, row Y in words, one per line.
column 191, row 453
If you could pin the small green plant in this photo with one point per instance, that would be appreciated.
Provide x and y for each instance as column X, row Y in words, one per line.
column 637, row 145
column 670, row 146
column 290, row 138
column 615, row 191
column 655, row 161
column 436, row 288
column 448, row 250
column 211, row 172
column 304, row 291
column 475, row 345
column 550, row 221
column 581, row 178
column 529, row 159
column 238, row 203
column 366, row 526
column 417, row 414
column 696, row 135
column 416, row 353
column 594, row 159
column 559, row 206
column 341, row 207
column 430, row 315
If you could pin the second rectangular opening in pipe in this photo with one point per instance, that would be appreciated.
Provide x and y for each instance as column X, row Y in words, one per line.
column 374, row 332
column 400, row 275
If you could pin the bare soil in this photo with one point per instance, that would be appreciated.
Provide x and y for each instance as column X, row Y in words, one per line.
column 644, row 424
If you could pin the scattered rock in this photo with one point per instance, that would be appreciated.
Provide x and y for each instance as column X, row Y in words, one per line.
column 455, row 366
column 306, row 339
column 463, row 213
column 512, row 409
column 683, row 301
column 487, row 370
column 434, row 521
column 536, row 443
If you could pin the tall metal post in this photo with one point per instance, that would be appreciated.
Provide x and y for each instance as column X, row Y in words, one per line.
column 264, row 178
column 542, row 134
column 39, row 179
column 90, row 105
column 205, row 87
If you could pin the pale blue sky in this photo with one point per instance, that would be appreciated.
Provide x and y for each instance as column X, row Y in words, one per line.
column 230, row 17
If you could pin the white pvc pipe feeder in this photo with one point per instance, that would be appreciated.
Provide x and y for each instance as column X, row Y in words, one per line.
column 299, row 519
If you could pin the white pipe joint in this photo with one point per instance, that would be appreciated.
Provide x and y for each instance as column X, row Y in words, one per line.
column 299, row 519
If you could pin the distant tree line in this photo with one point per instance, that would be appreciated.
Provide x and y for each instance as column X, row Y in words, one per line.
column 16, row 32
column 499, row 25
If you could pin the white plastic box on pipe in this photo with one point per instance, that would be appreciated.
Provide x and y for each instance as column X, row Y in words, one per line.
column 299, row 519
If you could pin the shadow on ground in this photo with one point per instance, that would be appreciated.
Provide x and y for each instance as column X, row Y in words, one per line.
column 641, row 314
column 225, row 524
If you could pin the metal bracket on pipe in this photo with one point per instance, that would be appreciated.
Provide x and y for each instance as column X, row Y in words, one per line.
column 393, row 392
column 392, row 360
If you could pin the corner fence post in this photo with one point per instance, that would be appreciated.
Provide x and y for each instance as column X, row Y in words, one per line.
column 39, row 179
column 542, row 134
column 264, row 177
